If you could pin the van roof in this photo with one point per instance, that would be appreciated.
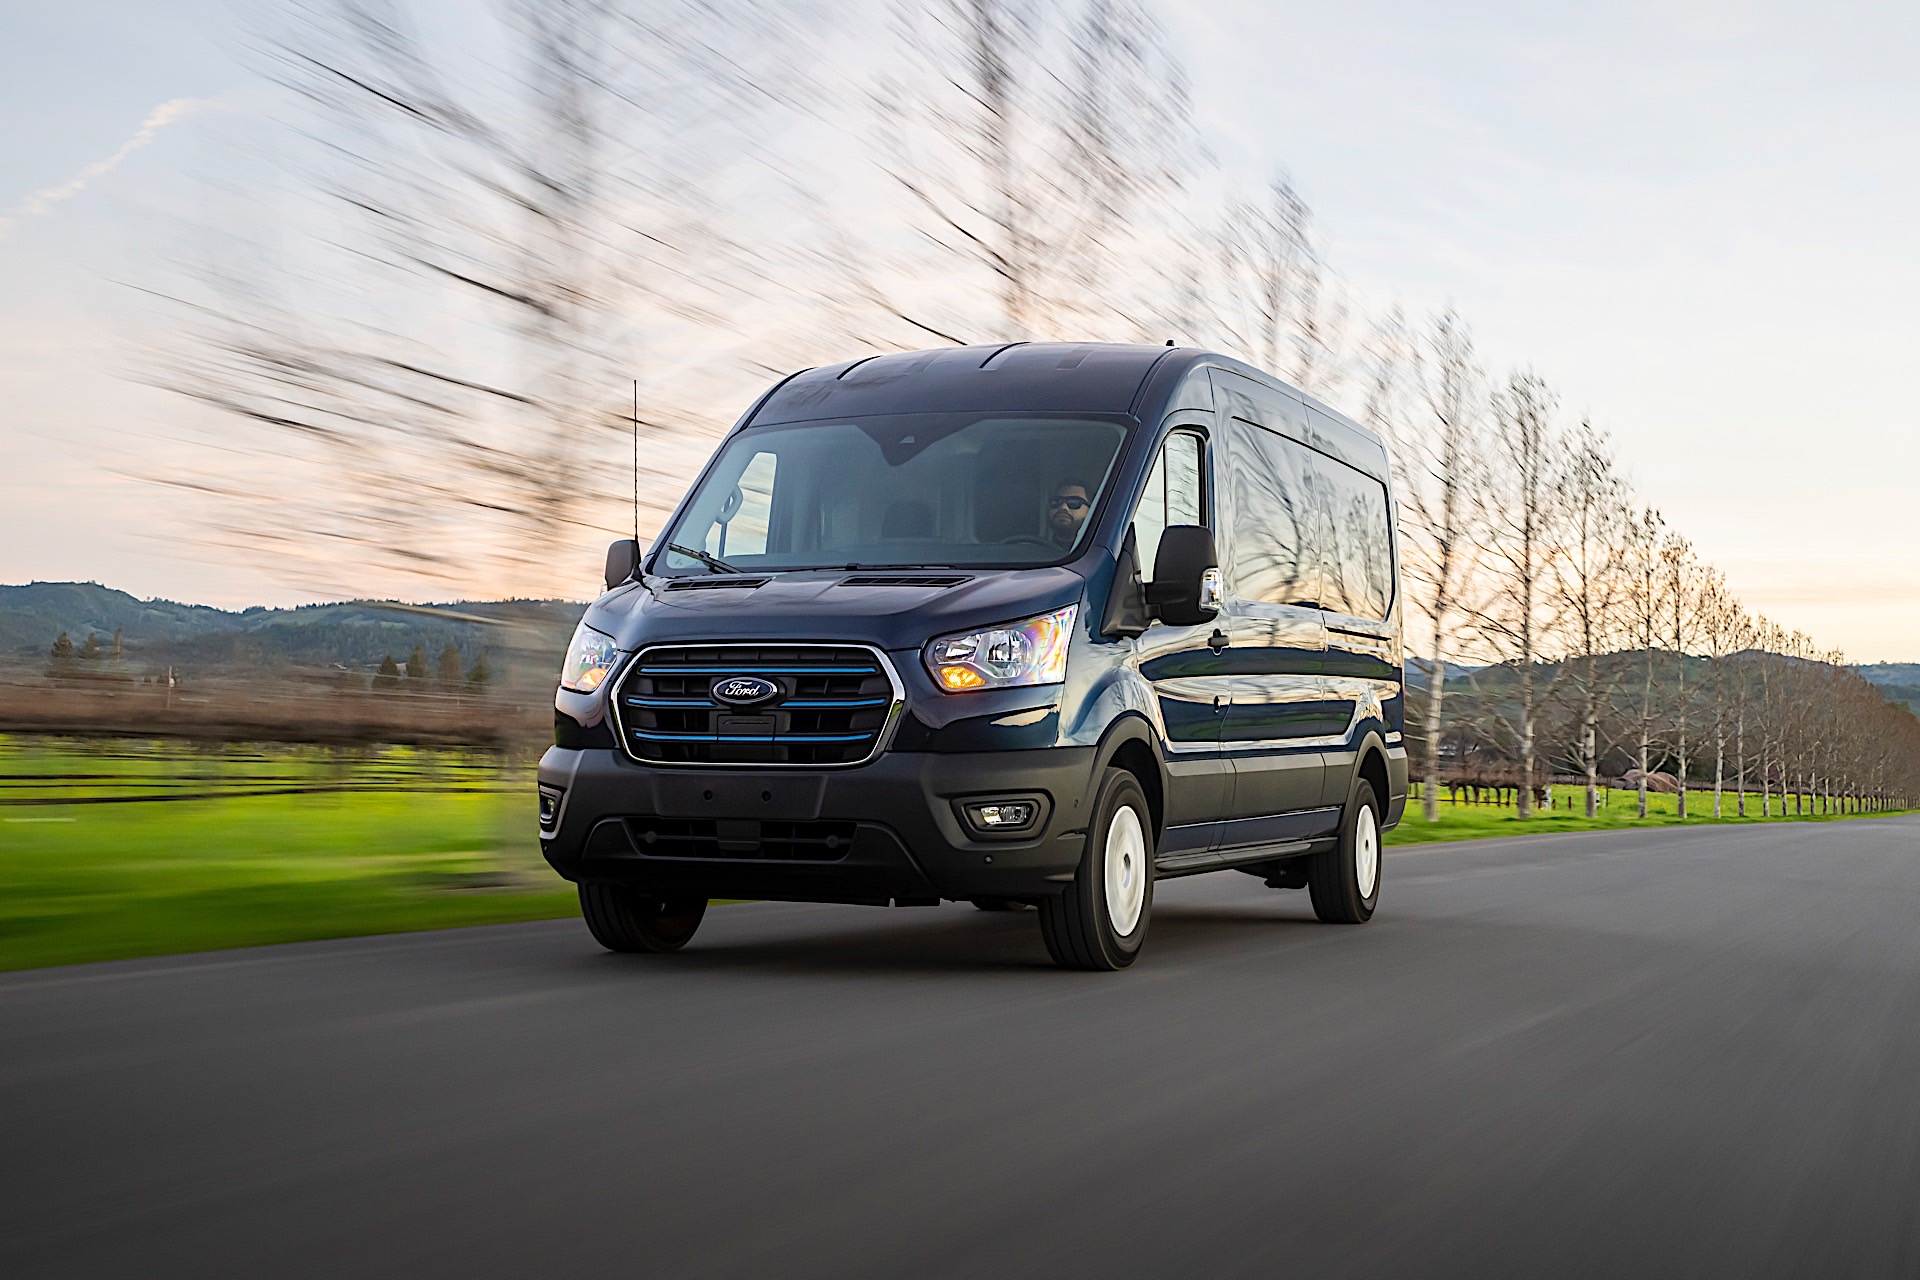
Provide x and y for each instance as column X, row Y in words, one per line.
column 1008, row 377
column 1037, row 377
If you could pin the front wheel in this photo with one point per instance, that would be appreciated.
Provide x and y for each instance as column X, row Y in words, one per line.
column 1345, row 880
column 1100, row 920
column 621, row 918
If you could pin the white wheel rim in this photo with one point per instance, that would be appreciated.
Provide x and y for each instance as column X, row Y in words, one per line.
column 1127, row 870
column 1366, row 852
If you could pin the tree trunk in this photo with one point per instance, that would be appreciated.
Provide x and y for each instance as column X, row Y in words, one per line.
column 1740, row 750
column 1523, row 801
column 1682, row 800
column 1719, row 768
column 1437, row 679
column 1590, row 758
column 1643, row 771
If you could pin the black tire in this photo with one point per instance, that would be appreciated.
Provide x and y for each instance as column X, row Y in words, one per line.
column 621, row 918
column 999, row 904
column 1080, row 925
column 1334, row 878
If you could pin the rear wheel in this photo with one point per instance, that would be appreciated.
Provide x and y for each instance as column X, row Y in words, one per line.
column 1101, row 919
column 622, row 918
column 1345, row 880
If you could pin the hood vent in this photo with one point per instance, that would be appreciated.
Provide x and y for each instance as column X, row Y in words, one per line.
column 717, row 582
column 922, row 580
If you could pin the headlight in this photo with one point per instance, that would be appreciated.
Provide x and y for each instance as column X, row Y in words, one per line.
column 590, row 659
column 1029, row 652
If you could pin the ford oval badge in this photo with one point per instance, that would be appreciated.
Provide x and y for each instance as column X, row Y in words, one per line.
column 743, row 691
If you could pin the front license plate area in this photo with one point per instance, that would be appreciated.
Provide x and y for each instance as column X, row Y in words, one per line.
column 765, row 796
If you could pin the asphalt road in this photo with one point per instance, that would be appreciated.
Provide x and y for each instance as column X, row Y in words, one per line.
column 1661, row 1053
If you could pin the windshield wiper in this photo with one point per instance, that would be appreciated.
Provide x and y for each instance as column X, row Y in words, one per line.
column 714, row 563
column 885, row 565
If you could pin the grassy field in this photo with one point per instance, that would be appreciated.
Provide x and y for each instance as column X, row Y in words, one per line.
column 250, row 846
column 1469, row 822
column 110, row 850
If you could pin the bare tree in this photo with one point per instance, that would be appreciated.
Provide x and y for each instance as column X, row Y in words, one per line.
column 1319, row 312
column 1262, row 248
column 1770, row 641
column 1679, row 589
column 1588, row 583
column 1523, row 528
column 1646, row 613
column 503, row 250
column 1030, row 178
column 1442, row 509
column 1724, row 632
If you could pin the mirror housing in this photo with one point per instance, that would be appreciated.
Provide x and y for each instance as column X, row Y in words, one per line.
column 1127, row 612
column 1185, row 590
column 623, row 557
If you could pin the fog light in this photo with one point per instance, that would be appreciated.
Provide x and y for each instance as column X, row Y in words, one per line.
column 549, row 807
column 1017, row 814
column 1007, row 817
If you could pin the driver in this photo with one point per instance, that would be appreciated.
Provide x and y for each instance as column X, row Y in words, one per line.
column 1066, row 511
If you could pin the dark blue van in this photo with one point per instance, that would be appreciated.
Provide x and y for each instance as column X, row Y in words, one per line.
column 1034, row 624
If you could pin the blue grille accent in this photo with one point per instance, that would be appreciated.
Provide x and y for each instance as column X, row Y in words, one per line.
column 748, row 737
column 832, row 707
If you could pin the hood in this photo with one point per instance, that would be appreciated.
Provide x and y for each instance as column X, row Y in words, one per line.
column 835, row 607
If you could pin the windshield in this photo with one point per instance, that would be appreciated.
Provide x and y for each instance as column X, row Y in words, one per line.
column 908, row 490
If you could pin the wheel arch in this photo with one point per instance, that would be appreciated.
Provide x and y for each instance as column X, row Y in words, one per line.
column 1372, row 765
column 1131, row 744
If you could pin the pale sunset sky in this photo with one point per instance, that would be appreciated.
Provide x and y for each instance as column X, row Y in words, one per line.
column 1697, row 221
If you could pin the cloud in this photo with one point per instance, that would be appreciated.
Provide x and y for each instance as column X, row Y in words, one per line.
column 42, row 202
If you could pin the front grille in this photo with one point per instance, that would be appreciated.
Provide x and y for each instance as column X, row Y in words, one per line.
column 741, row 839
column 831, row 708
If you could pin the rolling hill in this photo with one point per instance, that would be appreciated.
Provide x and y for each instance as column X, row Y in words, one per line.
column 355, row 635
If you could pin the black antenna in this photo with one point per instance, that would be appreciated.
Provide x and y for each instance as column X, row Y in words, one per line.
column 636, row 461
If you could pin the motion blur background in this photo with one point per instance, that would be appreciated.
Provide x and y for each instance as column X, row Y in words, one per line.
column 342, row 305
column 1688, row 219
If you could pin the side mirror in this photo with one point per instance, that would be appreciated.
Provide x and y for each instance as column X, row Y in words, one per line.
column 1185, row 590
column 623, row 557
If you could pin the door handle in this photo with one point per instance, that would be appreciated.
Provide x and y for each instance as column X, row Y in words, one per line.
column 1218, row 640
column 1221, row 702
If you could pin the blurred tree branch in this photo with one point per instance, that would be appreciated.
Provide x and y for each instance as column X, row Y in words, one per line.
column 450, row 348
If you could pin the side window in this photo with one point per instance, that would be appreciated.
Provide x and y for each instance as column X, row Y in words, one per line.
column 740, row 526
column 1272, row 518
column 1354, row 543
column 1175, row 494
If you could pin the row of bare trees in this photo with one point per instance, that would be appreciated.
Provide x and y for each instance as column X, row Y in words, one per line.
column 1596, row 641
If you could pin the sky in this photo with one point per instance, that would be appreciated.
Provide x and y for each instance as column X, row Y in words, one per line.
column 1695, row 221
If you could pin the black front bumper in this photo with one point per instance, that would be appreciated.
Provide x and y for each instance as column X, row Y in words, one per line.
column 885, row 831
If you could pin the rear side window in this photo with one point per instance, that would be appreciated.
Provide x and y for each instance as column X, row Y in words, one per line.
column 1353, row 546
column 1307, row 530
column 1269, row 480
column 1175, row 494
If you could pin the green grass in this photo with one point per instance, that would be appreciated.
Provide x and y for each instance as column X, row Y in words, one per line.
column 283, row 844
column 1472, row 822
column 103, row 881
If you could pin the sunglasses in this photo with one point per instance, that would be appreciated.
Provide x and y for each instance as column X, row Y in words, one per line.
column 1070, row 503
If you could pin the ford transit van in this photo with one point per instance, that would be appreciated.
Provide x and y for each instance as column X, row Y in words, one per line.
column 1027, row 626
